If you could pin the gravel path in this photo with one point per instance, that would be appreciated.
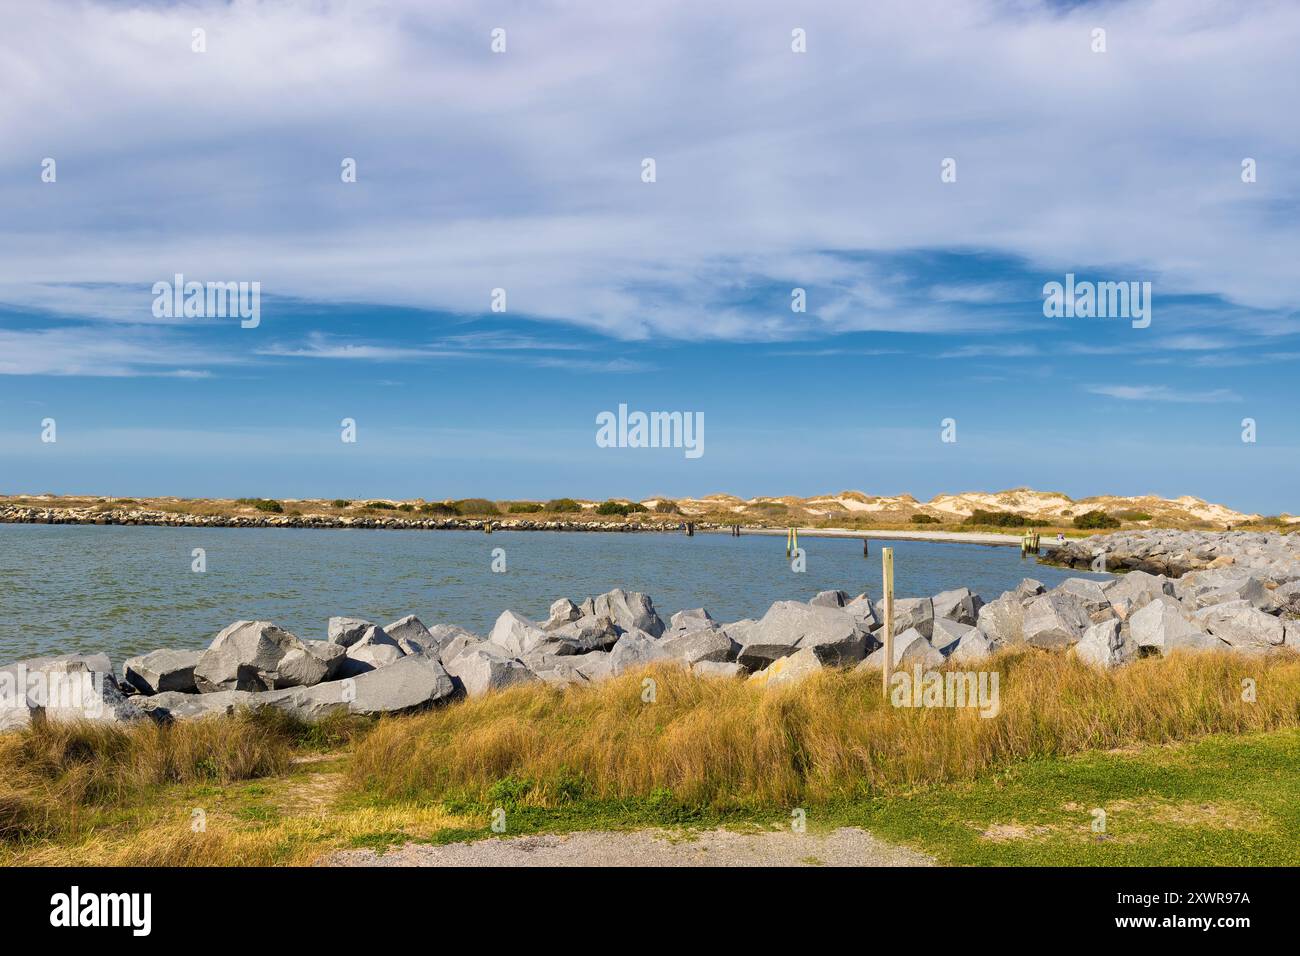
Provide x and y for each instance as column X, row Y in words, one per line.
column 843, row 847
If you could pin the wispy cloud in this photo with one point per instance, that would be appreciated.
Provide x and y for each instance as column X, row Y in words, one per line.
column 319, row 345
column 1163, row 393
column 100, row 351
column 522, row 171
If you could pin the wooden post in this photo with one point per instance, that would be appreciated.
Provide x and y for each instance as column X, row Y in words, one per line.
column 865, row 552
column 789, row 541
column 887, row 567
column 690, row 529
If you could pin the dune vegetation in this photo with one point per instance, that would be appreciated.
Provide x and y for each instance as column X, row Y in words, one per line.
column 662, row 748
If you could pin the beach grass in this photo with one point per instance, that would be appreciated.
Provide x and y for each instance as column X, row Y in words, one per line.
column 1186, row 770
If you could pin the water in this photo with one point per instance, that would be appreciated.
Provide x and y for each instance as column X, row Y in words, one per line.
column 126, row 590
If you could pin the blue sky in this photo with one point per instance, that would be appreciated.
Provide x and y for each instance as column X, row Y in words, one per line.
column 775, row 170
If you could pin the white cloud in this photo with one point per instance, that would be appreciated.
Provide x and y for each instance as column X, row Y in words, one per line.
column 114, row 352
column 522, row 170
column 1163, row 393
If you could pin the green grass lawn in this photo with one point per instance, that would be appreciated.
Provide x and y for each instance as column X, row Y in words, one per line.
column 1228, row 801
column 1231, row 800
column 1222, row 801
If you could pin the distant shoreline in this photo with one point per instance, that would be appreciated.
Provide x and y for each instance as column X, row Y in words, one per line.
column 122, row 518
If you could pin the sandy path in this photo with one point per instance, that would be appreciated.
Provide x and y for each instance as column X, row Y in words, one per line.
column 847, row 846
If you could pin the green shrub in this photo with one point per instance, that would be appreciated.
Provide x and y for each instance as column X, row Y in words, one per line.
column 562, row 505
column 524, row 508
column 996, row 519
column 438, row 508
column 475, row 506
column 665, row 507
column 1095, row 519
column 381, row 506
column 262, row 504
column 612, row 507
column 924, row 519
column 1132, row 515
column 340, row 503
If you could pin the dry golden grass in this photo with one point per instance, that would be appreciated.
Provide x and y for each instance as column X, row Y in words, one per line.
column 87, row 794
column 728, row 744
column 52, row 776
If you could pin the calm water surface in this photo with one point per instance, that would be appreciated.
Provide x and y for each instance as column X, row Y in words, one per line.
column 66, row 589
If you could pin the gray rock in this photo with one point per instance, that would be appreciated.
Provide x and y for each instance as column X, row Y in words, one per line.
column 948, row 634
column 162, row 670
column 691, row 620
column 910, row 612
column 410, row 634
column 1287, row 598
column 1104, row 645
column 830, row 599
column 411, row 684
column 71, row 687
column 739, row 631
column 973, row 648
column 557, row 670
column 1090, row 594
column 1028, row 588
column 563, row 611
column 594, row 666
column 244, row 656
column 316, row 662
column 176, row 705
column 1160, row 625
column 959, row 604
column 910, row 648
column 486, row 667
column 458, row 644
column 1002, row 621
column 790, row 670
column 864, row 612
column 346, row 631
column 708, row 644
column 630, row 611
column 635, row 649
column 724, row 669
column 576, row 637
column 374, row 650
column 516, row 635
column 1054, row 620
column 1136, row 589
column 790, row 626
column 441, row 636
column 1240, row 625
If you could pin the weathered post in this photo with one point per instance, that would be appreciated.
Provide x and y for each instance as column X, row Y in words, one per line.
column 887, row 567
column 690, row 529
column 866, row 553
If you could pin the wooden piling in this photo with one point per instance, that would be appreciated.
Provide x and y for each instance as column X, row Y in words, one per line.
column 887, row 572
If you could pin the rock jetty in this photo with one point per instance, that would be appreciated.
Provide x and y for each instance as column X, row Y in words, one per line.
column 22, row 514
column 1271, row 556
column 1250, row 606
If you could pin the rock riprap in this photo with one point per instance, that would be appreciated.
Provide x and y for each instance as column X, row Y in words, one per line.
column 1249, row 605
column 1268, row 556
